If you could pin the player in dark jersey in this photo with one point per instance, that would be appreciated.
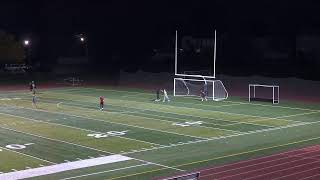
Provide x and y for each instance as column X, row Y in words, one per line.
column 101, row 102
column 203, row 95
column 158, row 95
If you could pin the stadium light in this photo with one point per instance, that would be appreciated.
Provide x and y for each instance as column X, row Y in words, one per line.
column 26, row 42
column 82, row 39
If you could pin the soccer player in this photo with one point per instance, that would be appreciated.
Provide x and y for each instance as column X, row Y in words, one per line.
column 203, row 95
column 33, row 87
column 34, row 101
column 101, row 102
column 165, row 96
column 158, row 95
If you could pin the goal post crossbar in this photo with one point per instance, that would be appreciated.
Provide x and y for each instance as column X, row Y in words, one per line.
column 176, row 58
column 275, row 92
column 191, row 87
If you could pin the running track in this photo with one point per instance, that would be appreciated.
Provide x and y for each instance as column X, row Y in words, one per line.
column 302, row 164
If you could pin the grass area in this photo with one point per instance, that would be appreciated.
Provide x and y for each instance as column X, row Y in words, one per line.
column 162, row 138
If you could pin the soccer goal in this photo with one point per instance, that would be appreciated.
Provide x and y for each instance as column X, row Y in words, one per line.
column 192, row 82
column 264, row 92
column 191, row 87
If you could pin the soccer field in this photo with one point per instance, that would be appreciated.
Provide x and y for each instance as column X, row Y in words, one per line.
column 137, row 138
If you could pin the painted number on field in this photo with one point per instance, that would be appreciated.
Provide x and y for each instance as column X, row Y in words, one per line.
column 18, row 146
column 186, row 124
column 107, row 134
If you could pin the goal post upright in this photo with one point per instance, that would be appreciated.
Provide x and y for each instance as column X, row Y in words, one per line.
column 176, row 54
column 214, row 53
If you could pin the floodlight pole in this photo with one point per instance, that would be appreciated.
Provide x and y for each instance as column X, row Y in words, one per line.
column 176, row 55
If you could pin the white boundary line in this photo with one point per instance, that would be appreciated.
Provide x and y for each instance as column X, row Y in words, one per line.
column 255, row 104
column 186, row 108
column 58, row 168
column 27, row 155
column 87, row 147
column 127, row 113
column 224, row 137
column 101, row 172
column 72, row 127
column 112, row 122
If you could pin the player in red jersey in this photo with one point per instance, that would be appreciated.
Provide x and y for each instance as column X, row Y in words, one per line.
column 101, row 102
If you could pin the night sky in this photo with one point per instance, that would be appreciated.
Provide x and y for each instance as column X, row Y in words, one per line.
column 130, row 28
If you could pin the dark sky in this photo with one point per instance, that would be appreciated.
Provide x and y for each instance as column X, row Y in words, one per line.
column 130, row 26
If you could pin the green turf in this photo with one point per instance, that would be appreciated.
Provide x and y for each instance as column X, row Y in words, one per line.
column 60, row 129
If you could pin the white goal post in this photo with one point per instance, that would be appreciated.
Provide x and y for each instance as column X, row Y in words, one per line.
column 195, row 75
column 214, row 89
column 275, row 92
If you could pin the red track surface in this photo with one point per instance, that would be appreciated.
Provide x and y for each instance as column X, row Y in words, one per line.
column 296, row 164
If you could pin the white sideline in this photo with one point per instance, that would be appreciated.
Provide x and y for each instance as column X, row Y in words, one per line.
column 29, row 173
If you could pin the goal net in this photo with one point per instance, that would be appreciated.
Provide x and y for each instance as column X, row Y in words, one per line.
column 214, row 89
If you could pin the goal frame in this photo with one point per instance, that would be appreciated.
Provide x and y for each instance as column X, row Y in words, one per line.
column 200, row 80
column 275, row 92
column 195, row 75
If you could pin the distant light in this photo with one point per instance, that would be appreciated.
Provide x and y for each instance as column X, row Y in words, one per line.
column 26, row 42
column 82, row 39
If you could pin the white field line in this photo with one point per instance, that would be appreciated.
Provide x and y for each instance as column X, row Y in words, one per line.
column 261, row 158
column 101, row 172
column 299, row 172
column 108, row 112
column 141, row 110
column 252, row 165
column 112, row 122
column 58, row 104
column 224, row 137
column 221, row 112
column 87, row 130
column 27, row 155
column 46, row 170
column 256, row 104
column 98, row 150
column 275, row 171
column 280, row 117
column 127, row 113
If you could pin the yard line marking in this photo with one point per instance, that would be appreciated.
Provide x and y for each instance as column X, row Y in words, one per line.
column 225, row 137
column 27, row 155
column 248, row 152
column 29, row 173
column 140, row 111
column 112, row 122
column 90, row 148
column 193, row 115
column 287, row 107
column 298, row 114
column 101, row 172
column 299, row 172
column 51, row 123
